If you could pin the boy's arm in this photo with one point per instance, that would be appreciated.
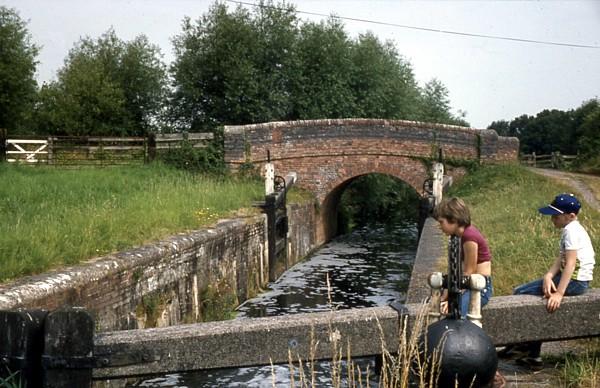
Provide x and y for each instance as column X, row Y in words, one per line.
column 548, row 286
column 470, row 258
column 556, row 297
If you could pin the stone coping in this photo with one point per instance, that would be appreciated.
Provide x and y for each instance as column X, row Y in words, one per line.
column 24, row 291
column 431, row 251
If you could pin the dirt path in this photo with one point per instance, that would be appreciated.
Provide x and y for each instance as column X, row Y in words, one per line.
column 576, row 181
column 517, row 376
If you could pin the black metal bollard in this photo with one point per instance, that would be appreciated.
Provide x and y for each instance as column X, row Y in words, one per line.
column 467, row 354
column 462, row 353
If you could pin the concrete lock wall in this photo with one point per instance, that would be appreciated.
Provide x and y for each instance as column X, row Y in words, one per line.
column 185, row 278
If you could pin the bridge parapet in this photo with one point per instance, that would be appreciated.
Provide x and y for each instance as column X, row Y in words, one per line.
column 307, row 138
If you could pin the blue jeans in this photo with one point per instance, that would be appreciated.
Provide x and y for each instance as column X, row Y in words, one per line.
column 575, row 287
column 486, row 294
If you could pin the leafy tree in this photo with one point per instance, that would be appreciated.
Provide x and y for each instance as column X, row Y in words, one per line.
column 17, row 69
column 277, row 60
column 325, row 68
column 502, row 127
column 588, row 115
column 383, row 83
column 435, row 105
column 215, row 78
column 106, row 87
column 241, row 67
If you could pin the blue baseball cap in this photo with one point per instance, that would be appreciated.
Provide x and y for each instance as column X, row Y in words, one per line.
column 562, row 204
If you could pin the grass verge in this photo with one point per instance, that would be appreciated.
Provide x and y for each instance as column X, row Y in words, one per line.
column 54, row 217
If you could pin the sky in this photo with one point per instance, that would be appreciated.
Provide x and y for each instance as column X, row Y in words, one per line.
column 489, row 79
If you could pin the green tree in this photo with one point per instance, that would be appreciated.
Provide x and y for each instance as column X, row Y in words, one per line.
column 588, row 115
column 325, row 88
column 502, row 127
column 242, row 67
column 277, row 60
column 17, row 69
column 383, row 83
column 215, row 77
column 106, row 87
column 435, row 105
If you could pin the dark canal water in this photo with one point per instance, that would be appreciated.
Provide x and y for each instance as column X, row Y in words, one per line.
column 368, row 267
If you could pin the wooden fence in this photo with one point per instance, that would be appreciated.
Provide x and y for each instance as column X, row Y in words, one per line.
column 554, row 160
column 95, row 150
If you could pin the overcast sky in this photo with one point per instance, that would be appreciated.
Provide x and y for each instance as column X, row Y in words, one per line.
column 490, row 79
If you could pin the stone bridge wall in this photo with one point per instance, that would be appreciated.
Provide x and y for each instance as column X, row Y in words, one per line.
column 174, row 281
column 326, row 152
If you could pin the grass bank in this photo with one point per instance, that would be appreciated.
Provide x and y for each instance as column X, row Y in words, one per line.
column 53, row 217
column 504, row 202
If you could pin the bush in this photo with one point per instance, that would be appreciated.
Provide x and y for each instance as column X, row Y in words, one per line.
column 205, row 160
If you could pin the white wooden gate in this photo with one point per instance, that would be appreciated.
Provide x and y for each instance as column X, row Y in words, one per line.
column 29, row 151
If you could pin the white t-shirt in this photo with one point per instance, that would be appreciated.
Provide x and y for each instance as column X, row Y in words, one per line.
column 575, row 238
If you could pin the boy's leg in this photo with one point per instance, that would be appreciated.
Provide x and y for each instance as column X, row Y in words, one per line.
column 465, row 298
column 534, row 359
column 535, row 287
column 519, row 350
column 576, row 287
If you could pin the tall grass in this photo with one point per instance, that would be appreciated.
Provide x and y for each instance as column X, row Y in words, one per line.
column 504, row 202
column 54, row 217
column 401, row 367
column 583, row 370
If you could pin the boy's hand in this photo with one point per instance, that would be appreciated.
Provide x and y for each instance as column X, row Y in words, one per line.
column 444, row 307
column 554, row 302
column 549, row 286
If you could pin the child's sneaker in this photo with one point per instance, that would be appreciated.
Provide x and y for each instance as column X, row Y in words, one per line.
column 533, row 363
column 513, row 351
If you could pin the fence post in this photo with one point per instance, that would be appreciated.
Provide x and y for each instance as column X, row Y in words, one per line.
column 151, row 146
column 533, row 157
column 50, row 150
column 68, row 348
column 21, row 347
column 3, row 137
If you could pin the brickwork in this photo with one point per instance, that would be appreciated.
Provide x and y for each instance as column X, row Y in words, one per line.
column 165, row 283
column 328, row 154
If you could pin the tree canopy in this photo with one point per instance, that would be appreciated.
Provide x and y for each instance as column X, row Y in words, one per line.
column 232, row 66
column 106, row 87
column 243, row 67
column 17, row 69
column 572, row 132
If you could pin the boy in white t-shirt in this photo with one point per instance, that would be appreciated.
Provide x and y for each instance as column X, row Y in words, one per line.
column 570, row 274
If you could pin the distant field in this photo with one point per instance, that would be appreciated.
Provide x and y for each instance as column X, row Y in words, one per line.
column 55, row 217
column 504, row 202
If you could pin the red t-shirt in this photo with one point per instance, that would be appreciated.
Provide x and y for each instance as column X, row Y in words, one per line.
column 471, row 233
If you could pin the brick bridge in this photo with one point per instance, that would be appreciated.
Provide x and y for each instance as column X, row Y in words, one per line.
column 329, row 154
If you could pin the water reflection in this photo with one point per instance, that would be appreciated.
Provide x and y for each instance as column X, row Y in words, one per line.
column 368, row 267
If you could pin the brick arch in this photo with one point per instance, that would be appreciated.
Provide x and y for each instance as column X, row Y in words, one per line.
column 410, row 171
column 327, row 153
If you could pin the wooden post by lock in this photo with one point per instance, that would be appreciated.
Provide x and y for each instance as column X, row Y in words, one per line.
column 3, row 138
column 68, row 348
column 21, row 347
column 151, row 147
